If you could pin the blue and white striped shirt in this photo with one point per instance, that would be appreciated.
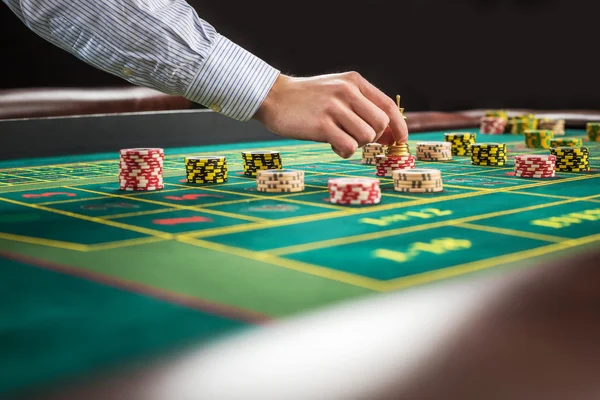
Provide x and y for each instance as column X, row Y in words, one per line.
column 160, row 44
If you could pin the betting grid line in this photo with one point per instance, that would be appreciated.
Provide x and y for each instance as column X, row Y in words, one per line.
column 385, row 207
column 44, row 242
column 513, row 232
column 316, row 270
column 113, row 224
column 479, row 265
column 415, row 228
column 551, row 196
column 138, row 213
column 177, row 206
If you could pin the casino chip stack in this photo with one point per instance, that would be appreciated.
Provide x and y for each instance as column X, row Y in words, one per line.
column 206, row 169
column 518, row 125
column 280, row 181
column 556, row 125
column 489, row 154
column 371, row 151
column 461, row 142
column 418, row 181
column 497, row 114
column 535, row 166
column 571, row 159
column 492, row 125
column 387, row 164
column 593, row 131
column 434, row 151
column 538, row 139
column 141, row 169
column 566, row 142
column 354, row 191
column 260, row 160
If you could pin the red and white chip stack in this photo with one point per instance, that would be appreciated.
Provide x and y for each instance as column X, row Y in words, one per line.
column 535, row 166
column 386, row 164
column 141, row 169
column 354, row 191
column 493, row 125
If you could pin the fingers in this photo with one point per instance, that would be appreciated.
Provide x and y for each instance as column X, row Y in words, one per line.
column 370, row 113
column 342, row 144
column 386, row 104
column 354, row 125
column 387, row 138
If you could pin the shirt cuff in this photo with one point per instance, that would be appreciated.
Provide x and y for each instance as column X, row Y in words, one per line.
column 232, row 81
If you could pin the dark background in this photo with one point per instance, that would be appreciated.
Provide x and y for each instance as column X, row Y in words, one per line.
column 439, row 55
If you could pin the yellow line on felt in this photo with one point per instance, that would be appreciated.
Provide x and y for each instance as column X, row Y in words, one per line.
column 327, row 216
column 180, row 207
column 513, row 232
column 124, row 243
column 450, row 272
column 137, row 214
column 323, row 272
column 133, row 228
column 467, row 188
column 51, row 203
column 24, row 177
column 409, row 229
column 262, row 197
column 44, row 242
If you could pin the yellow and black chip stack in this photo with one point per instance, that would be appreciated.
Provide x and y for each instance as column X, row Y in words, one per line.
column 489, row 154
column 260, row 160
column 538, row 139
column 571, row 159
column 566, row 142
column 206, row 169
column 593, row 131
column 518, row 125
column 461, row 142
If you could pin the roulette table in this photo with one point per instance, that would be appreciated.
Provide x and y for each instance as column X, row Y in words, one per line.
column 94, row 277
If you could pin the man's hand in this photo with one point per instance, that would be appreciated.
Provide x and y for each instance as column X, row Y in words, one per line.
column 343, row 110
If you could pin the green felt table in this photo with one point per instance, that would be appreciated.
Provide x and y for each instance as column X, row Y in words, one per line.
column 91, row 276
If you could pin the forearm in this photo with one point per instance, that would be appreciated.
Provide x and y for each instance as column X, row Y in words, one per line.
column 161, row 44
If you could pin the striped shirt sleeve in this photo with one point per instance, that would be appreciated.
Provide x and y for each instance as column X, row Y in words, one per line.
column 160, row 44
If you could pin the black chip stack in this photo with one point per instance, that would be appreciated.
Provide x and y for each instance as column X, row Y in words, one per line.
column 206, row 169
column 571, row 159
column 260, row 160
column 489, row 154
column 461, row 142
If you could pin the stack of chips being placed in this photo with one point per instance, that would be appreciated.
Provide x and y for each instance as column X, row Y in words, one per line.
column 556, row 125
column 566, row 142
column 460, row 142
column 535, row 166
column 280, row 180
column 354, row 191
column 397, row 157
column 492, row 125
column 260, row 160
column 418, row 181
column 489, row 154
column 371, row 151
column 434, row 151
column 206, row 169
column 571, row 159
column 593, row 131
column 538, row 139
column 141, row 169
column 518, row 125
